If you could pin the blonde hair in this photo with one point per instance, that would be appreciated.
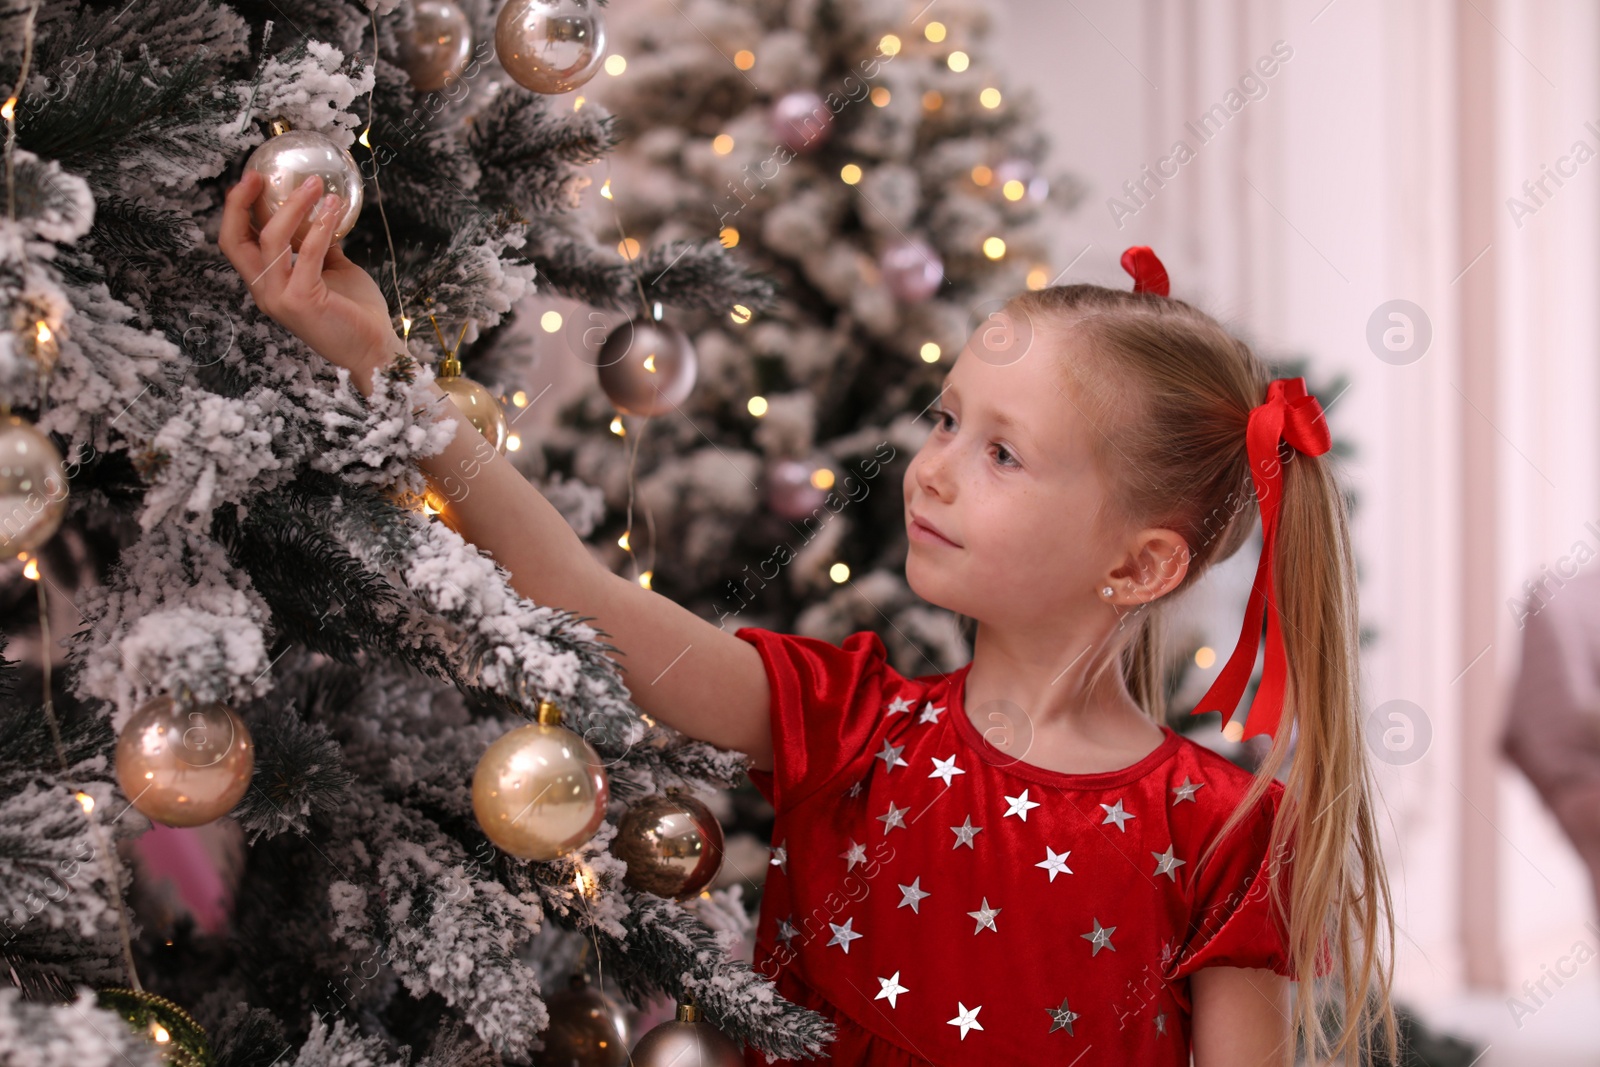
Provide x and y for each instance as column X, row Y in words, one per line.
column 1167, row 393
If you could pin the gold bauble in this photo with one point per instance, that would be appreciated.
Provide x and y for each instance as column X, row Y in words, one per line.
column 687, row 1041
column 176, row 1037
column 438, row 46
column 672, row 845
column 550, row 46
column 540, row 790
column 33, row 486
column 587, row 1029
column 184, row 766
column 290, row 158
column 480, row 406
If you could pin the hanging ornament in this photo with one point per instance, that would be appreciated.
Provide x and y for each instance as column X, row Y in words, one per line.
column 795, row 489
column 911, row 269
column 587, row 1029
column 289, row 158
column 177, row 1038
column 540, row 790
column 647, row 367
column 687, row 1041
column 801, row 121
column 476, row 403
column 672, row 845
column 184, row 765
column 438, row 46
column 1019, row 179
column 33, row 486
column 550, row 46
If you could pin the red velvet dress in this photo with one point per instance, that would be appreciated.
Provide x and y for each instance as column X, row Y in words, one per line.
column 942, row 902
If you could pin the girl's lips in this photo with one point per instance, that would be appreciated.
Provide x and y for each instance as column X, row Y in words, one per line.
column 919, row 532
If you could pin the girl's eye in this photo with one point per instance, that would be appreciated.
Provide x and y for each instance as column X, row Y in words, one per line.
column 1002, row 450
column 1002, row 454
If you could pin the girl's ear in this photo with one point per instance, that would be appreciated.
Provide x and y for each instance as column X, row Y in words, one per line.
column 1156, row 564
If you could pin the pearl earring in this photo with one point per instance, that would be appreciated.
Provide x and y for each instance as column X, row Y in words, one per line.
column 1106, row 591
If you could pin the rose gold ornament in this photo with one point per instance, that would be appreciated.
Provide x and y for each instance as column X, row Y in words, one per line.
column 672, row 845
column 291, row 157
column 33, row 486
column 550, row 46
column 687, row 1041
column 438, row 46
column 184, row 766
column 647, row 367
column 540, row 790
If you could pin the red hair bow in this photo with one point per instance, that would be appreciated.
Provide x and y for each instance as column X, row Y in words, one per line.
column 1149, row 276
column 1290, row 414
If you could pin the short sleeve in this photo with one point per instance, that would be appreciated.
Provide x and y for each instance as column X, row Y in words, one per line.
column 824, row 709
column 1234, row 921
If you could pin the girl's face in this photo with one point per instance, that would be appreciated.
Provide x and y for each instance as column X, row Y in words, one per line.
column 1008, row 476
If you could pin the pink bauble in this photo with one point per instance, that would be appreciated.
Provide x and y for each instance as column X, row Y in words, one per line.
column 789, row 492
column 801, row 121
column 911, row 269
column 647, row 367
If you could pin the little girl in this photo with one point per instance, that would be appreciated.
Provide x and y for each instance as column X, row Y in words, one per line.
column 1016, row 862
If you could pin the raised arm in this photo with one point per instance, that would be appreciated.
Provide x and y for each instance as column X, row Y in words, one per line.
column 679, row 668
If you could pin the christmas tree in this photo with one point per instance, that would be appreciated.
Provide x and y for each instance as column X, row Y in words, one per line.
column 216, row 544
column 871, row 159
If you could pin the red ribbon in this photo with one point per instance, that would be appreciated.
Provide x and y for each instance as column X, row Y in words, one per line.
column 1292, row 415
column 1149, row 276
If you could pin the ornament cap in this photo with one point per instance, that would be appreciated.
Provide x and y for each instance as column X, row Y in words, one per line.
column 688, row 1013
column 549, row 713
column 279, row 126
column 450, row 367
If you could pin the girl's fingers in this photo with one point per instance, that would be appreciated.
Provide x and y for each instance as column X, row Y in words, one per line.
column 236, row 237
column 307, row 273
column 279, row 230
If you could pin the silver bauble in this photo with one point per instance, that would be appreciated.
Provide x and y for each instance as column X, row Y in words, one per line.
column 33, row 486
column 540, row 790
column 687, row 1041
column 801, row 120
column 550, row 46
column 647, row 367
column 290, row 158
column 184, row 766
column 438, row 46
column 672, row 845
column 911, row 269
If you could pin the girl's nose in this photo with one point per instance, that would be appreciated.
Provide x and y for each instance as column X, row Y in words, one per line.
column 933, row 471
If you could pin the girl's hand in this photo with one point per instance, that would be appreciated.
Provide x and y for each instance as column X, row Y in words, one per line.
column 319, row 295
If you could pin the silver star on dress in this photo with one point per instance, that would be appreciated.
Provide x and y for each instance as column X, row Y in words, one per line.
column 855, row 790
column 1062, row 1018
column 843, row 935
column 965, row 833
column 1161, row 1022
column 930, row 713
column 891, row 756
column 1020, row 806
column 944, row 768
column 1114, row 813
column 853, row 855
column 780, row 859
column 1055, row 864
column 786, row 931
column 1185, row 791
column 901, row 705
column 1167, row 863
column 896, row 817
column 913, row 895
column 985, row 916
column 966, row 1018
column 890, row 989
column 1100, row 936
